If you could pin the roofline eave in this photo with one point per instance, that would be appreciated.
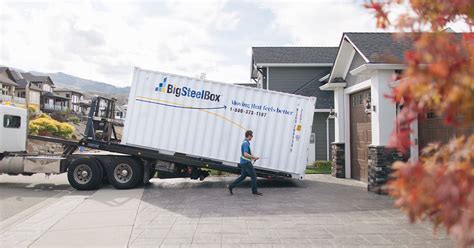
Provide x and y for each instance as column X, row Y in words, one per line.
column 293, row 64
column 369, row 68
column 332, row 86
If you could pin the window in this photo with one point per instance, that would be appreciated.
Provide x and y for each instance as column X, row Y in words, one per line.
column 68, row 95
column 11, row 121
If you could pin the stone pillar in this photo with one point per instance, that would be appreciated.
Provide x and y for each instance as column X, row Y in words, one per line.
column 380, row 167
column 338, row 168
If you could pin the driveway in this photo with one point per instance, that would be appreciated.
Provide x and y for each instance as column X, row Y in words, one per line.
column 320, row 211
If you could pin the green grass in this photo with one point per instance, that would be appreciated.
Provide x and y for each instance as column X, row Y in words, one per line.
column 318, row 171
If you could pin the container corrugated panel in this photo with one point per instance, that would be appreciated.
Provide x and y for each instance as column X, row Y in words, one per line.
column 201, row 118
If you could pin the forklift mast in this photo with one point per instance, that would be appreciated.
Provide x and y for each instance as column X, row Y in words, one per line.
column 101, row 120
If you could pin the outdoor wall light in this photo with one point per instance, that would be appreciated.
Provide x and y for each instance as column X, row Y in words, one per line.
column 368, row 108
column 332, row 114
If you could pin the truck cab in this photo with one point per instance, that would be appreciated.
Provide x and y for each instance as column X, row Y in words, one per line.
column 13, row 129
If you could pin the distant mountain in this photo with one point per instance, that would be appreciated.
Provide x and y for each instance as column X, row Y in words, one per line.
column 63, row 80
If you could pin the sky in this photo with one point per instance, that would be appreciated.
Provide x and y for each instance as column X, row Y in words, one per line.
column 105, row 40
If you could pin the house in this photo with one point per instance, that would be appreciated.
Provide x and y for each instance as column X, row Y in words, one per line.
column 364, row 72
column 120, row 112
column 75, row 98
column 49, row 101
column 20, row 91
column 7, row 85
column 296, row 70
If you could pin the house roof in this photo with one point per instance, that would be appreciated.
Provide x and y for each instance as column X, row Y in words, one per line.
column 6, row 79
column 381, row 47
column 68, row 90
column 293, row 55
column 52, row 95
column 34, row 78
column 23, row 82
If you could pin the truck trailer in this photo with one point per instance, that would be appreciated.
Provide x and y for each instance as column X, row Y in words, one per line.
column 175, row 127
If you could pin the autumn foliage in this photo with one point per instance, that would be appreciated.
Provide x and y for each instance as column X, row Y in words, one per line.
column 439, row 78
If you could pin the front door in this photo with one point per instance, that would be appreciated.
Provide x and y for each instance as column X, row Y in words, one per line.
column 361, row 135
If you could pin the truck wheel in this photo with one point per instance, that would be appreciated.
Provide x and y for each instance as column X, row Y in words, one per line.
column 125, row 173
column 84, row 174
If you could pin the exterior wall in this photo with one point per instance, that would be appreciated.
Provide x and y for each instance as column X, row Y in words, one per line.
column 321, row 139
column 289, row 79
column 35, row 97
column 352, row 80
column 7, row 90
column 47, row 87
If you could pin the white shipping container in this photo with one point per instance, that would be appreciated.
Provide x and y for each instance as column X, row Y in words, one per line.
column 202, row 118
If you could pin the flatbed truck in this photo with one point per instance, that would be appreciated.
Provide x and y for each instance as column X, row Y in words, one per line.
column 98, row 157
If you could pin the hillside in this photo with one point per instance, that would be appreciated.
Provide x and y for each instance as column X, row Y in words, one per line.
column 63, row 80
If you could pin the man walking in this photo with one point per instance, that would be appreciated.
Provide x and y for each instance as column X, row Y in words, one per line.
column 246, row 166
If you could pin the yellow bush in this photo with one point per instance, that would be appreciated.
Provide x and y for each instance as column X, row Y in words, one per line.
column 65, row 129
column 45, row 125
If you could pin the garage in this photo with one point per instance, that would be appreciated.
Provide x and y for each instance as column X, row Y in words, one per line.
column 360, row 135
column 432, row 129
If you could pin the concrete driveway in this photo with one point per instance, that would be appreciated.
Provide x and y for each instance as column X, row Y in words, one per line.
column 319, row 212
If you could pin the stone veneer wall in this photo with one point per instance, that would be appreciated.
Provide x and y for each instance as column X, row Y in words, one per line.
column 338, row 160
column 380, row 167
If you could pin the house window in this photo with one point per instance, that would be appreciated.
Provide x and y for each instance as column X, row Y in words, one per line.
column 68, row 95
column 430, row 115
column 11, row 121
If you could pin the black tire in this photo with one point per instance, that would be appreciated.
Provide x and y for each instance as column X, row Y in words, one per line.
column 131, row 178
column 85, row 174
column 105, row 180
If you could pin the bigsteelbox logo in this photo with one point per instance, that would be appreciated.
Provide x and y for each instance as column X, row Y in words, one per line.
column 168, row 88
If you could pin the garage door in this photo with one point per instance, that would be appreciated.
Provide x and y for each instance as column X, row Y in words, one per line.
column 432, row 129
column 361, row 135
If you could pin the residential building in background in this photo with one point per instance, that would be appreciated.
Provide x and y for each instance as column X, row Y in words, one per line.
column 7, row 85
column 34, row 100
column 297, row 70
column 120, row 112
column 49, row 101
column 75, row 98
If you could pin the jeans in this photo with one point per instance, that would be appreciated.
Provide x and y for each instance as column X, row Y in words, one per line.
column 246, row 169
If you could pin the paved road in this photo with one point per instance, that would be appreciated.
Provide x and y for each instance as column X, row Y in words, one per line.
column 18, row 193
column 319, row 212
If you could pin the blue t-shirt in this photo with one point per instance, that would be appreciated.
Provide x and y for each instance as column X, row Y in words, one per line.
column 245, row 148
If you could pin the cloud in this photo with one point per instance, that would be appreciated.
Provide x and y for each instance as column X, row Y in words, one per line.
column 103, row 40
column 318, row 23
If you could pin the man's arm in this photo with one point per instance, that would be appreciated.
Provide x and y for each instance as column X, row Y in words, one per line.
column 249, row 156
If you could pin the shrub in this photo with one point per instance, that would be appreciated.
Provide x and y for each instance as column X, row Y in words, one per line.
column 74, row 119
column 45, row 125
column 59, row 116
column 321, row 164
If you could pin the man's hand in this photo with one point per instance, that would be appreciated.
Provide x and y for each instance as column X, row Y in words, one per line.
column 255, row 158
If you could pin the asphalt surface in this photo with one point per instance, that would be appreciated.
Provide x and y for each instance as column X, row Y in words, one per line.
column 18, row 193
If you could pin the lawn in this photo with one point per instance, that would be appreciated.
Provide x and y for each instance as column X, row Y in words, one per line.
column 313, row 170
